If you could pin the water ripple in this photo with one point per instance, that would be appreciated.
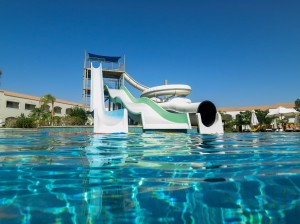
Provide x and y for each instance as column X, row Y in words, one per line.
column 149, row 178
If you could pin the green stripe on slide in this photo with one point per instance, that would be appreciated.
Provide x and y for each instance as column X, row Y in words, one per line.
column 176, row 118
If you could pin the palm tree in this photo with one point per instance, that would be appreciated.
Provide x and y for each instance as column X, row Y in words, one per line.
column 297, row 103
column 227, row 121
column 243, row 118
column 48, row 98
column 262, row 117
column 40, row 115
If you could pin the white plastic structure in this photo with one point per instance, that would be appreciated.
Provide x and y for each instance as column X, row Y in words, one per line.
column 152, row 115
column 155, row 112
column 215, row 128
column 167, row 90
column 164, row 90
column 134, row 83
column 105, row 121
column 179, row 104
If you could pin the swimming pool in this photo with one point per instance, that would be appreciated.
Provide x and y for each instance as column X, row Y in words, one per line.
column 149, row 178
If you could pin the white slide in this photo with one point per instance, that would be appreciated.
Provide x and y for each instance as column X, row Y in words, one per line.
column 105, row 121
column 176, row 104
column 167, row 90
column 215, row 128
column 134, row 83
column 152, row 115
column 164, row 90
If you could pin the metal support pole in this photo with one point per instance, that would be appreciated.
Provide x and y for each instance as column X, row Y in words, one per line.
column 123, row 79
column 84, row 82
column 124, row 63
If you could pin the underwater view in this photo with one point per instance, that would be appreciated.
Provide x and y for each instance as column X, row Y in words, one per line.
column 149, row 178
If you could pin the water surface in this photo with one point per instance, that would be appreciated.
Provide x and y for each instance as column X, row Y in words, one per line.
column 149, row 178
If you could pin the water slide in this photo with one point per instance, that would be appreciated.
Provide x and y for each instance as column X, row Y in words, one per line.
column 105, row 121
column 163, row 90
column 134, row 83
column 176, row 113
column 202, row 114
column 151, row 115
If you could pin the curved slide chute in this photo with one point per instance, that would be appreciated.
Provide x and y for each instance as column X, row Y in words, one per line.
column 203, row 114
column 134, row 83
column 152, row 116
column 167, row 90
column 164, row 90
column 105, row 121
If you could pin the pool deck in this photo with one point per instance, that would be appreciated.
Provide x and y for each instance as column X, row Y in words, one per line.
column 89, row 129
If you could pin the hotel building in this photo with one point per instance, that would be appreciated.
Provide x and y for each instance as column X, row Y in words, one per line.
column 14, row 104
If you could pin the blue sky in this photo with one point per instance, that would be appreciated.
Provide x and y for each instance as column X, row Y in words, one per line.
column 232, row 52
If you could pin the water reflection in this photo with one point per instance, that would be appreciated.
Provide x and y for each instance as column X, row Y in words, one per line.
column 150, row 178
column 203, row 178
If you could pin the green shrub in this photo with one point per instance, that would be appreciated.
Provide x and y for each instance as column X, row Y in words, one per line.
column 57, row 121
column 10, row 122
column 78, row 112
column 25, row 122
column 69, row 121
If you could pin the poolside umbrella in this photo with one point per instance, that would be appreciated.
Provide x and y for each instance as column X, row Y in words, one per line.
column 254, row 120
column 274, row 123
column 282, row 111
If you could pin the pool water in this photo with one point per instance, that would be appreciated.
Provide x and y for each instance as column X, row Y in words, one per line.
column 149, row 178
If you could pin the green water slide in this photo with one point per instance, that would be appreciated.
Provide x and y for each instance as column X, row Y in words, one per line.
column 152, row 115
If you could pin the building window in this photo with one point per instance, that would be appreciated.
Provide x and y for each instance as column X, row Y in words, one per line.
column 11, row 104
column 68, row 111
column 57, row 110
column 47, row 108
column 29, row 106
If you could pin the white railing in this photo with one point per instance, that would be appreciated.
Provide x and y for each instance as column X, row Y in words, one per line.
column 113, row 66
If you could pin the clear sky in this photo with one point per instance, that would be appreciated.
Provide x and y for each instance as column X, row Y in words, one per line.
column 232, row 52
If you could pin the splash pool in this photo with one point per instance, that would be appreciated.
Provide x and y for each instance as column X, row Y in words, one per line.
column 149, row 178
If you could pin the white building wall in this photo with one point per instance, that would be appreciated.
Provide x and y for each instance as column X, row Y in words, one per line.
column 233, row 113
column 6, row 111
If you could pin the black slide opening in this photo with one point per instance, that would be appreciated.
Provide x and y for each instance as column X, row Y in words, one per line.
column 208, row 112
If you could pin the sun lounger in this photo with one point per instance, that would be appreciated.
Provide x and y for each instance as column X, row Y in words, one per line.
column 269, row 128
column 297, row 128
column 289, row 127
column 256, row 129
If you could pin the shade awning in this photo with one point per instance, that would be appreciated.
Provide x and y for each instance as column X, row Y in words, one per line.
column 103, row 58
column 281, row 111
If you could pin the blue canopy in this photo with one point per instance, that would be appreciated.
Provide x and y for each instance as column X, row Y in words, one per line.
column 103, row 58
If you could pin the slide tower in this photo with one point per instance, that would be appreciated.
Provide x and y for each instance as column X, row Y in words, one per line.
column 162, row 107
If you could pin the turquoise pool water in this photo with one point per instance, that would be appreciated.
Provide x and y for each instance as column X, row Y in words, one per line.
column 149, row 178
